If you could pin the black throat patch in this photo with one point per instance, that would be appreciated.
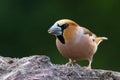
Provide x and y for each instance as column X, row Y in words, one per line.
column 61, row 38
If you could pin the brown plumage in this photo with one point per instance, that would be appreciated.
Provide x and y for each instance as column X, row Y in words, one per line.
column 75, row 42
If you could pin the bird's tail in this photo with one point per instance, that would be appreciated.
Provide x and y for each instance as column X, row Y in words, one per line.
column 98, row 40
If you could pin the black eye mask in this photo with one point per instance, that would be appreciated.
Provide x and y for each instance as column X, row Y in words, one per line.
column 64, row 26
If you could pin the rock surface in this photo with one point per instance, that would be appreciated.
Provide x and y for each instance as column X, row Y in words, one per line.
column 39, row 67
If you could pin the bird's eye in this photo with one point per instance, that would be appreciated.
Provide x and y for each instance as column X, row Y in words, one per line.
column 64, row 26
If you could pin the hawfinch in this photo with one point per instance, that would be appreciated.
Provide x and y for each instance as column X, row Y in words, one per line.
column 75, row 42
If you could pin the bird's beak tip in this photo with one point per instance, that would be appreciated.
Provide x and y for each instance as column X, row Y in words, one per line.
column 50, row 31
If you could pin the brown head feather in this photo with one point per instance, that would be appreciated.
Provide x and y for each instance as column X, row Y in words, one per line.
column 70, row 31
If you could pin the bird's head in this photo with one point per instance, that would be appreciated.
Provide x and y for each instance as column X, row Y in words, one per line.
column 63, row 29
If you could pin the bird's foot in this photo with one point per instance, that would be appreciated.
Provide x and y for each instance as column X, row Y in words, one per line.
column 68, row 63
column 87, row 67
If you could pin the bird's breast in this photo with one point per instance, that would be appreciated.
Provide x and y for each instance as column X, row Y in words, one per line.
column 78, row 48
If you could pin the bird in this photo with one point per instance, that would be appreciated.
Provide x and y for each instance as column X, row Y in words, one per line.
column 74, row 41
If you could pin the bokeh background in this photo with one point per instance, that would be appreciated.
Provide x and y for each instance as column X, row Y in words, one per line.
column 24, row 25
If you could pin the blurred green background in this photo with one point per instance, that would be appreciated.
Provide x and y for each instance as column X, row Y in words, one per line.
column 24, row 25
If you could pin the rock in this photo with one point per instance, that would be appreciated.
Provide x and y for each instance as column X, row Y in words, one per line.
column 39, row 67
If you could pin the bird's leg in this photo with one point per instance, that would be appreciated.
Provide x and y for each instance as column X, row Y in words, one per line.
column 70, row 62
column 89, row 65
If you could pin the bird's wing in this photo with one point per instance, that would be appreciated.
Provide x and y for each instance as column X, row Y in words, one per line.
column 95, row 39
column 88, row 32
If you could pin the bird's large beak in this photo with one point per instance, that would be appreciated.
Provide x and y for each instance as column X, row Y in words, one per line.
column 55, row 30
